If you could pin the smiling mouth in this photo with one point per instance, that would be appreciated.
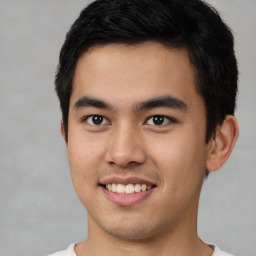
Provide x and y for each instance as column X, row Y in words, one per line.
column 127, row 189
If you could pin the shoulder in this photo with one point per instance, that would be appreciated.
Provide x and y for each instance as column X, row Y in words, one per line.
column 218, row 252
column 68, row 252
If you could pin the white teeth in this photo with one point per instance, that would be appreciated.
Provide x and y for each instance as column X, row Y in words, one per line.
column 109, row 187
column 120, row 188
column 127, row 189
column 137, row 188
column 113, row 187
column 144, row 187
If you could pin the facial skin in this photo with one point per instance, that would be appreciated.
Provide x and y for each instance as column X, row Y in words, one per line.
column 126, row 86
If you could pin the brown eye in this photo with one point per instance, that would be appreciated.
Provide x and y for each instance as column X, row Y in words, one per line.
column 158, row 120
column 97, row 120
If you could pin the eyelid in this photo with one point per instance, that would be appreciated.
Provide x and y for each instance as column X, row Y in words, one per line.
column 85, row 119
column 169, row 120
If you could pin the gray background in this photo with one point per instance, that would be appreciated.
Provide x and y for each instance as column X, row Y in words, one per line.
column 39, row 211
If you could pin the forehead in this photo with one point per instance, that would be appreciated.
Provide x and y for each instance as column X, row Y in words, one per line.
column 123, row 74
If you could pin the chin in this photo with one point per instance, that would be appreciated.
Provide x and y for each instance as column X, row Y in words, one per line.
column 130, row 233
column 129, row 229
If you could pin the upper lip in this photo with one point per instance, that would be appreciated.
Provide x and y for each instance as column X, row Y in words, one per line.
column 125, row 181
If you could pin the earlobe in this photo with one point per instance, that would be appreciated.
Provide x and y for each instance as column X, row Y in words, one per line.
column 62, row 131
column 222, row 144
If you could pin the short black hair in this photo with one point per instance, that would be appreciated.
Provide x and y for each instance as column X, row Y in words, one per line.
column 190, row 24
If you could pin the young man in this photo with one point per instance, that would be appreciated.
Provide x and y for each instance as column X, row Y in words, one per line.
column 147, row 90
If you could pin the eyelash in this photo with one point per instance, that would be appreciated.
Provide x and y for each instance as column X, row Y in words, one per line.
column 85, row 119
column 166, row 120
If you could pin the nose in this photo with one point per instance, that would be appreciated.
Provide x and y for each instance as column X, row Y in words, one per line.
column 126, row 147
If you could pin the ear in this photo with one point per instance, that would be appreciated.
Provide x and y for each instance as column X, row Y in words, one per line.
column 222, row 144
column 62, row 131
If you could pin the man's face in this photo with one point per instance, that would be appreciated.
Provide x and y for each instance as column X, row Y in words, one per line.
column 136, row 119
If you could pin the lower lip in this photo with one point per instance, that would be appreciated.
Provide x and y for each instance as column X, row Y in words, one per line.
column 127, row 199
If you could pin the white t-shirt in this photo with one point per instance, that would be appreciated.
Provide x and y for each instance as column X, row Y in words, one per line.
column 71, row 252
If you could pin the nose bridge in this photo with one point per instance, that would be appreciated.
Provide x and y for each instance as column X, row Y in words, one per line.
column 126, row 145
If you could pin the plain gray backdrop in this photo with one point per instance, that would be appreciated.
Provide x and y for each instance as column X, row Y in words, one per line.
column 39, row 211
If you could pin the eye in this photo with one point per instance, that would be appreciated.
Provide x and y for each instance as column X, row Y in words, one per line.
column 96, row 120
column 159, row 120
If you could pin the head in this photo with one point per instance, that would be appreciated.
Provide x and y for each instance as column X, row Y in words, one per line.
column 146, row 89
column 189, row 24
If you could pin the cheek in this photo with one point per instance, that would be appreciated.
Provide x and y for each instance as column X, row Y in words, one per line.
column 84, row 150
column 84, row 159
column 180, row 159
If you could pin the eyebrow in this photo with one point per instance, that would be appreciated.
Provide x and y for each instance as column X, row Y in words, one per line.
column 163, row 101
column 157, row 102
column 92, row 102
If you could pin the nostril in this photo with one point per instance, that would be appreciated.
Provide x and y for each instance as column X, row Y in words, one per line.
column 125, row 165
